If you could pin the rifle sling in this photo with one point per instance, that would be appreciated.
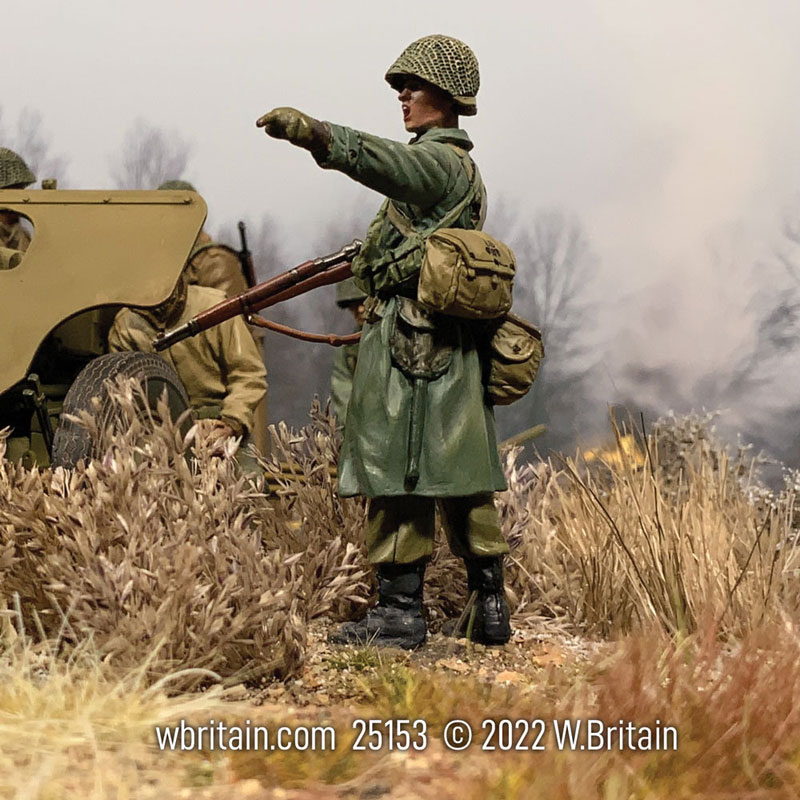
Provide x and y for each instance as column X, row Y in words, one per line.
column 332, row 339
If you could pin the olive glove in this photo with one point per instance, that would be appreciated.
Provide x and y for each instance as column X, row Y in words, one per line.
column 296, row 127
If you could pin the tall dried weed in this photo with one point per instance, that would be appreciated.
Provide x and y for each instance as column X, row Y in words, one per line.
column 311, row 520
column 186, row 562
column 677, row 534
column 160, row 558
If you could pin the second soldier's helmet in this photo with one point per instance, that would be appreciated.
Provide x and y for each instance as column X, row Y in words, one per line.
column 445, row 62
column 178, row 186
column 347, row 293
column 13, row 170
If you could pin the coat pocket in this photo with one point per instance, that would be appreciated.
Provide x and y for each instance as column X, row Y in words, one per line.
column 421, row 343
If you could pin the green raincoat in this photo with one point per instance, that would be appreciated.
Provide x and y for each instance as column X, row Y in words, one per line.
column 457, row 447
column 344, row 367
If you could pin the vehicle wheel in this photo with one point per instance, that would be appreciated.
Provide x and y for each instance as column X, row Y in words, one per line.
column 72, row 442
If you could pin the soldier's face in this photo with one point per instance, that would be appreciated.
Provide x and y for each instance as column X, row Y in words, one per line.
column 425, row 106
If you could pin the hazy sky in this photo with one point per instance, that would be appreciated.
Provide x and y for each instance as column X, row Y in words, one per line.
column 662, row 125
column 643, row 117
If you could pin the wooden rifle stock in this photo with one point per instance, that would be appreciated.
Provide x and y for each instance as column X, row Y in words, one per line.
column 296, row 281
column 333, row 275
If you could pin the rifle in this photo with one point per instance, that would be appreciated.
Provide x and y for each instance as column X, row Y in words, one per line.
column 246, row 257
column 523, row 437
column 309, row 275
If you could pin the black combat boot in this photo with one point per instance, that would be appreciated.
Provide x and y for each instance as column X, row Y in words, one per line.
column 492, row 619
column 397, row 620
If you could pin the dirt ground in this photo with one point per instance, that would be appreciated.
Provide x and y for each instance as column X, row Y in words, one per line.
column 335, row 674
column 340, row 684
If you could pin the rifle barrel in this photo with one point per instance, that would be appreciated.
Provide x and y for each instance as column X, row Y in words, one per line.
column 293, row 282
column 333, row 275
column 246, row 257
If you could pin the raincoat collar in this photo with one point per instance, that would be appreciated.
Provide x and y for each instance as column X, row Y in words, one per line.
column 455, row 136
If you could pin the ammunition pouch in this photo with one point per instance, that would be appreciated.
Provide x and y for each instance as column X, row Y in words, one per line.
column 455, row 271
column 393, row 271
column 515, row 353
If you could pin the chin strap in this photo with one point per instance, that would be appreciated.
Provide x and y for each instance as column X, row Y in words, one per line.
column 324, row 338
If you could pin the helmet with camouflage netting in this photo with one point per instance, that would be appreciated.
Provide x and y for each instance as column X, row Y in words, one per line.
column 348, row 293
column 178, row 186
column 445, row 62
column 13, row 170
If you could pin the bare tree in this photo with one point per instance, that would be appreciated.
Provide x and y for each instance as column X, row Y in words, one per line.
column 775, row 355
column 555, row 265
column 556, row 255
column 29, row 140
column 149, row 156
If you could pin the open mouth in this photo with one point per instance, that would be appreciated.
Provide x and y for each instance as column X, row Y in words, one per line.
column 406, row 112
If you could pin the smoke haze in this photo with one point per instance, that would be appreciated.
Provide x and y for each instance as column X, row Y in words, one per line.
column 670, row 130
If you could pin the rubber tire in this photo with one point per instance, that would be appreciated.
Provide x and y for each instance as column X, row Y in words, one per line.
column 71, row 442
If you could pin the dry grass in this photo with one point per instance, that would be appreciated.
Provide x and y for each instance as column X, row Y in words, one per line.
column 146, row 573
column 73, row 727
column 311, row 520
column 145, row 550
column 149, row 554
column 682, row 535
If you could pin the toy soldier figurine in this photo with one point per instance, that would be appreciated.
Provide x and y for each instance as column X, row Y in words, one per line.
column 419, row 429
column 217, row 266
column 348, row 296
column 221, row 368
column 14, row 174
column 211, row 263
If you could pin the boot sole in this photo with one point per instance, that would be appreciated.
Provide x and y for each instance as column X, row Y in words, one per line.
column 492, row 642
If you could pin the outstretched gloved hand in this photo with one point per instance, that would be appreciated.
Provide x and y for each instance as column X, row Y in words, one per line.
column 296, row 127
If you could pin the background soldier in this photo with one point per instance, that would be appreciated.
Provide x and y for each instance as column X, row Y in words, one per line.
column 14, row 174
column 221, row 368
column 217, row 266
column 348, row 296
column 211, row 263
column 418, row 425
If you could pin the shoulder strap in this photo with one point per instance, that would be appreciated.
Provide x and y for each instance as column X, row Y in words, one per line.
column 398, row 219
column 403, row 224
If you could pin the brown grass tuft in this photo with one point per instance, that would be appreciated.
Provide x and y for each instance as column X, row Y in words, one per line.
column 154, row 556
column 674, row 537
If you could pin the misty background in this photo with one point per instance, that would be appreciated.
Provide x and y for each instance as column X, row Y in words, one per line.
column 641, row 159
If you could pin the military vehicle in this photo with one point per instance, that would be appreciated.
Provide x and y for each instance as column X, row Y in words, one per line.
column 92, row 252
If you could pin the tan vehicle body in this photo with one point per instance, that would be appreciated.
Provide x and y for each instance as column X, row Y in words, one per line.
column 89, row 249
